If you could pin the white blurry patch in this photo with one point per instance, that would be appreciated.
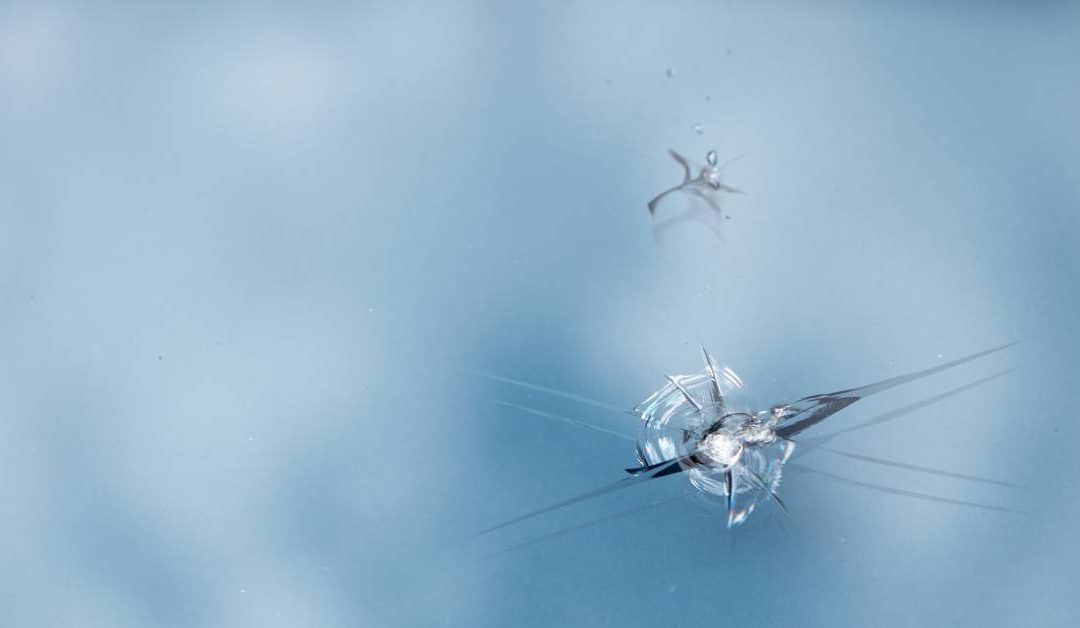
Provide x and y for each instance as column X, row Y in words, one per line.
column 279, row 86
column 265, row 595
column 259, row 77
column 423, row 52
column 35, row 52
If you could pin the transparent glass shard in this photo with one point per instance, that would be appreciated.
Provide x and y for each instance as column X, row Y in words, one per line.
column 729, row 450
column 705, row 421
column 702, row 425
column 707, row 185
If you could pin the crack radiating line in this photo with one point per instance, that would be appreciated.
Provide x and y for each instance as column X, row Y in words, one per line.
column 548, row 390
column 561, row 419
column 583, row 526
column 900, row 491
column 915, row 467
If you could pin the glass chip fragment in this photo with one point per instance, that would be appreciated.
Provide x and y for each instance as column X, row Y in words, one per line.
column 702, row 425
column 725, row 448
column 708, row 185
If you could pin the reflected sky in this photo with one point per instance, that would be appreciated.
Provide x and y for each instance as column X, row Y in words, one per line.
column 252, row 256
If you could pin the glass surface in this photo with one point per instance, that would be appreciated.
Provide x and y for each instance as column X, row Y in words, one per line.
column 299, row 300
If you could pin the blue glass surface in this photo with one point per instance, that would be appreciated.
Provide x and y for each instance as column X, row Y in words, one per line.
column 254, row 257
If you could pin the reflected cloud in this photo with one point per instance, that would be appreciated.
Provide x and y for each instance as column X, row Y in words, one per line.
column 36, row 47
column 280, row 86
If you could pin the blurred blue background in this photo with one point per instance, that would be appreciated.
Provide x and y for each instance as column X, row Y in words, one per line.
column 249, row 255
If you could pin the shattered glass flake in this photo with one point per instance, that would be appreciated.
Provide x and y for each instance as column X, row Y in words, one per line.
column 726, row 450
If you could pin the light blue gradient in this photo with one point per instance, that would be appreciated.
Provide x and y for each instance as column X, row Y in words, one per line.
column 253, row 254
